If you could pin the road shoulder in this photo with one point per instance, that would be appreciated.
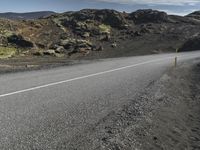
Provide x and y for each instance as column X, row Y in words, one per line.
column 163, row 116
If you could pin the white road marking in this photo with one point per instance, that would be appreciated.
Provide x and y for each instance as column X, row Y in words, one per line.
column 83, row 77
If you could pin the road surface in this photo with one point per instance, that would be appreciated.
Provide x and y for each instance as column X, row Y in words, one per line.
column 42, row 109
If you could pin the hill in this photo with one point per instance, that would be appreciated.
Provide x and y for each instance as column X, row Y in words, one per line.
column 195, row 15
column 92, row 33
column 28, row 15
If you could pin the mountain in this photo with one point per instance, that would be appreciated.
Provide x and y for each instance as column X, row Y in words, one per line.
column 92, row 33
column 28, row 15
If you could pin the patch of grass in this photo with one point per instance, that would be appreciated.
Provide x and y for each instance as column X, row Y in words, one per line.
column 8, row 33
column 5, row 32
column 6, row 52
column 104, row 28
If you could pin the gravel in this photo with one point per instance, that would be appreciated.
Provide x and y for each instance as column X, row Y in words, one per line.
column 163, row 116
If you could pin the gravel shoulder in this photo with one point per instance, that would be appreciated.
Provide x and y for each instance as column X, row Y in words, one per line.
column 163, row 116
column 21, row 64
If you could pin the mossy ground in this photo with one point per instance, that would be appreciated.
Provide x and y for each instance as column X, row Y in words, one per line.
column 104, row 28
column 6, row 52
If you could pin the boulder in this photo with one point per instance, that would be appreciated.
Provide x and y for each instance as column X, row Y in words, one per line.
column 60, row 49
column 50, row 52
column 114, row 45
column 19, row 41
column 57, row 48
column 83, row 45
column 100, row 48
column 138, row 33
column 3, row 41
column 104, row 37
column 145, row 30
column 85, row 35
column 83, row 50
column 76, row 45
column 38, row 53
column 68, row 43
column 80, row 26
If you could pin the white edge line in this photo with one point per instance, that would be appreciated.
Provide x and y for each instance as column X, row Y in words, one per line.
column 83, row 77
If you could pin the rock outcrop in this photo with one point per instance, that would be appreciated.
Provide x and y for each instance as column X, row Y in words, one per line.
column 18, row 40
column 149, row 16
column 109, row 17
column 76, row 46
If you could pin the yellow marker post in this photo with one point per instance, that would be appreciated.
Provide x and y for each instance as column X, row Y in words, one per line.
column 175, row 62
column 176, row 59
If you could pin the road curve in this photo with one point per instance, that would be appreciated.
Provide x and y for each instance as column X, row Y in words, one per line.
column 41, row 109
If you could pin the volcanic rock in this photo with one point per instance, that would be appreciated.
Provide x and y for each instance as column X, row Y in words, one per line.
column 19, row 41
column 148, row 16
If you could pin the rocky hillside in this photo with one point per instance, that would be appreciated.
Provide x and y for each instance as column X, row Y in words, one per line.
column 94, row 33
column 191, row 44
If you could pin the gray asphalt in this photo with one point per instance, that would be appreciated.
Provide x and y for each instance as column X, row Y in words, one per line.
column 42, row 109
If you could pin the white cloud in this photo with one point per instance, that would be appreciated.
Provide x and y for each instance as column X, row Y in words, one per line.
column 157, row 2
column 182, row 13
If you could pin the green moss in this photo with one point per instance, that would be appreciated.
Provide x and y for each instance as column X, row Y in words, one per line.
column 59, row 24
column 80, row 41
column 104, row 28
column 6, row 52
column 5, row 32
column 80, row 24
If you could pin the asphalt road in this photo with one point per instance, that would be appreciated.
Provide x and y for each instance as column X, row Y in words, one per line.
column 42, row 109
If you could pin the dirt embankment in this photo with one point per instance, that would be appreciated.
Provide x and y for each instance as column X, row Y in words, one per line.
column 166, row 115
column 172, row 120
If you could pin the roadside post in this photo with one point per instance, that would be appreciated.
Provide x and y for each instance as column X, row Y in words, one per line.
column 176, row 59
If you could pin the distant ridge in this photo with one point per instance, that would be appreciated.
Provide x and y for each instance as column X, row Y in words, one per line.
column 195, row 15
column 28, row 15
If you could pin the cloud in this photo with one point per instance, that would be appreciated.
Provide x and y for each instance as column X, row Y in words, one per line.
column 180, row 13
column 153, row 2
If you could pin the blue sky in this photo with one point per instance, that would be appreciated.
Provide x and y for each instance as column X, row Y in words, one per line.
column 180, row 7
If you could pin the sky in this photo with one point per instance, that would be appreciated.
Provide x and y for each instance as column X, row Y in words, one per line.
column 179, row 7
